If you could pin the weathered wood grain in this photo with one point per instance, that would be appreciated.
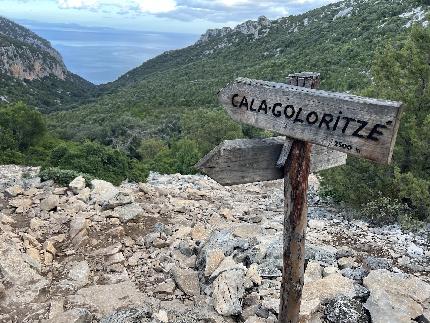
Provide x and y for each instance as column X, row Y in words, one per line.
column 254, row 160
column 355, row 125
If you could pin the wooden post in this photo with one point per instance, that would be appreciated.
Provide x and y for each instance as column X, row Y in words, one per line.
column 296, row 173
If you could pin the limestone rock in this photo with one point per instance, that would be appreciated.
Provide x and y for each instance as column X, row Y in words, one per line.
column 121, row 295
column 50, row 203
column 76, row 315
column 128, row 212
column 168, row 287
column 346, row 310
column 323, row 253
column 228, row 292
column 199, row 232
column 129, row 315
column 78, row 230
column 77, row 185
column 14, row 191
column 395, row 297
column 187, row 281
column 79, row 273
column 102, row 191
column 318, row 291
column 313, row 272
column 213, row 259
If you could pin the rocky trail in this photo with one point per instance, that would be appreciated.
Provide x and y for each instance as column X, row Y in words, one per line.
column 185, row 249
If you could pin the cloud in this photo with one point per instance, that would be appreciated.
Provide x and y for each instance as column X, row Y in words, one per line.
column 212, row 10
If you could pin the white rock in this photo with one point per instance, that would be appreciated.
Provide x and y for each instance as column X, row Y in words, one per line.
column 102, row 191
column 80, row 273
column 228, row 291
column 77, row 185
column 414, row 251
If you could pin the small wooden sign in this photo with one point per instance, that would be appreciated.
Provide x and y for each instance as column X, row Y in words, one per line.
column 244, row 161
column 351, row 124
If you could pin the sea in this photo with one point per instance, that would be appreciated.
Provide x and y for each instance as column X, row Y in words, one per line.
column 101, row 55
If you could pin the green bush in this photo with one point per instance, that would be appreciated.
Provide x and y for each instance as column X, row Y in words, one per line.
column 384, row 210
column 62, row 176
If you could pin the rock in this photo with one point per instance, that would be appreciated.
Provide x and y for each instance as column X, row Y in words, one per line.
column 255, row 319
column 414, row 251
column 161, row 316
column 346, row 310
column 246, row 230
column 330, row 271
column 121, row 295
column 344, row 252
column 13, row 191
column 199, row 232
column 187, row 281
column 313, row 272
column 270, row 269
column 228, row 292
column 319, row 291
column 347, row 262
column 395, row 297
column 374, row 263
column 115, row 259
column 50, row 252
column 80, row 273
column 50, row 203
column 21, row 204
column 36, row 223
column 102, row 191
column 129, row 315
column 355, row 273
column 25, row 282
column 84, row 195
column 227, row 264
column 128, row 212
column 325, row 254
column 77, row 185
column 168, row 287
column 213, row 259
column 108, row 251
column 2, row 291
column 253, row 275
column 316, row 224
column 122, row 198
column 222, row 240
column 78, row 230
column 76, row 315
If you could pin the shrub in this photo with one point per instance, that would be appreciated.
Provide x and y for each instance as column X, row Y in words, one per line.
column 384, row 210
column 62, row 176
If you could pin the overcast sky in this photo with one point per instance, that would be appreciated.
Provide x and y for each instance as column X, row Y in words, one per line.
column 193, row 16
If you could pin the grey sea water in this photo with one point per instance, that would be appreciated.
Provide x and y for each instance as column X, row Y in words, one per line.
column 101, row 55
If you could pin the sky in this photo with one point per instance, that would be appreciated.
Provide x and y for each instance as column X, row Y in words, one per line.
column 186, row 16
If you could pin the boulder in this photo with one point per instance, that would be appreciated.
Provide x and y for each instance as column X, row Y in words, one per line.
column 228, row 290
column 80, row 273
column 77, row 185
column 213, row 259
column 346, row 310
column 102, row 191
column 14, row 191
column 324, row 254
column 78, row 230
column 313, row 272
column 128, row 212
column 395, row 297
column 50, row 203
column 121, row 295
column 187, row 281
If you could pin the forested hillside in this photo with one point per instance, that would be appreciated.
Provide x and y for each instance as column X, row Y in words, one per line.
column 163, row 116
column 33, row 72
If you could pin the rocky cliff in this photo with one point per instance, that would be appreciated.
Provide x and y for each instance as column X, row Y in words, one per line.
column 24, row 55
column 185, row 249
column 32, row 71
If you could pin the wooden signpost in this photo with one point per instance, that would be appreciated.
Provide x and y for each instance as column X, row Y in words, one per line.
column 359, row 126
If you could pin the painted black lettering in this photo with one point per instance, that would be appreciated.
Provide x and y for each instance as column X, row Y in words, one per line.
column 232, row 100
column 277, row 113
column 312, row 117
column 337, row 121
column 375, row 131
column 348, row 120
column 363, row 125
column 289, row 115
column 326, row 119
column 244, row 103
column 297, row 119
column 263, row 106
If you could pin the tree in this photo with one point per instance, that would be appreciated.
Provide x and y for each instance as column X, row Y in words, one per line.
column 401, row 71
column 20, row 126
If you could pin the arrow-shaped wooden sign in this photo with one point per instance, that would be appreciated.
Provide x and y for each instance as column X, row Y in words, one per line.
column 243, row 161
column 355, row 125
